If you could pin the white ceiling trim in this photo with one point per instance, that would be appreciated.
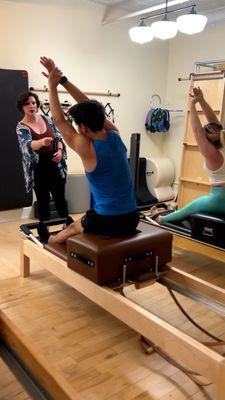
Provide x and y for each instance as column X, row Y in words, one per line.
column 112, row 14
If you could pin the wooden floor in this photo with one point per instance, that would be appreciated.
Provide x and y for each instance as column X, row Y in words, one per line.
column 10, row 388
column 97, row 354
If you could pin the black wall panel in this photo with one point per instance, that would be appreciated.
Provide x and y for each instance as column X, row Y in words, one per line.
column 12, row 189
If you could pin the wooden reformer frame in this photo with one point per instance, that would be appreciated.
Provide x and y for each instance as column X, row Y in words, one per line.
column 188, row 351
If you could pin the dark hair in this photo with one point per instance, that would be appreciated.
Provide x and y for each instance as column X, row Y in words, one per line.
column 23, row 99
column 90, row 113
column 212, row 131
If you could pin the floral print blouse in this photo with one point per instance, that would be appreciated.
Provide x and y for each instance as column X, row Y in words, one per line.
column 31, row 157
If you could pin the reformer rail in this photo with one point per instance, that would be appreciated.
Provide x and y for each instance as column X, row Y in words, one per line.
column 188, row 351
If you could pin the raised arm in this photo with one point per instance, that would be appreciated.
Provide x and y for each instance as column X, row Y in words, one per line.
column 69, row 133
column 75, row 92
column 79, row 96
column 207, row 110
column 213, row 157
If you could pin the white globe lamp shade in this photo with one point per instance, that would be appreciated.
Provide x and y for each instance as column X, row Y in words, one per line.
column 164, row 29
column 191, row 23
column 141, row 33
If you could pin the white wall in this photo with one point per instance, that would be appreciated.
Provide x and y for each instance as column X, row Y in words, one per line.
column 184, row 52
column 95, row 57
column 102, row 57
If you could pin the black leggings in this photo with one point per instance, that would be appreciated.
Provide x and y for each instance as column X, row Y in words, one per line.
column 110, row 225
column 47, row 179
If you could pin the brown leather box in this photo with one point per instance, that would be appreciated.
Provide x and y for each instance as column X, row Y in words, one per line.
column 102, row 260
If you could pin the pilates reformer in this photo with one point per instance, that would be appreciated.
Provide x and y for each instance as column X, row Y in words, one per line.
column 203, row 233
column 101, row 268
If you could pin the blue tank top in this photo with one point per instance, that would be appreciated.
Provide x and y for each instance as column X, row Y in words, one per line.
column 110, row 183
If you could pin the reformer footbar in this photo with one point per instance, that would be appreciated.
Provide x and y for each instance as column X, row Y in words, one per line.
column 26, row 229
column 154, row 273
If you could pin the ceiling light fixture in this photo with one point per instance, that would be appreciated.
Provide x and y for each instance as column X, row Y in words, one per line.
column 141, row 33
column 191, row 23
column 165, row 29
column 171, row 3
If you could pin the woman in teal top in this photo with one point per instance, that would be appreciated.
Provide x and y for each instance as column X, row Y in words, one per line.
column 210, row 139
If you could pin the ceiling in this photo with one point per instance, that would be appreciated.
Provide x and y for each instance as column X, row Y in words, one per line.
column 121, row 9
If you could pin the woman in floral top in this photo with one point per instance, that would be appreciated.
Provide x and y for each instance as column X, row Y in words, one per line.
column 43, row 156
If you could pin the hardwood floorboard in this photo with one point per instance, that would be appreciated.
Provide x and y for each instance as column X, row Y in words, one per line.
column 96, row 353
column 10, row 387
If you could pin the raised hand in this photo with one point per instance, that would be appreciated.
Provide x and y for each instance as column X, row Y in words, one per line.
column 197, row 94
column 49, row 64
column 54, row 74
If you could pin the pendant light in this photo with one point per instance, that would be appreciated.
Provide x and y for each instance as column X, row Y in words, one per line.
column 191, row 23
column 164, row 29
column 141, row 33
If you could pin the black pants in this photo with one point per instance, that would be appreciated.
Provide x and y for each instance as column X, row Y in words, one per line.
column 47, row 180
column 110, row 225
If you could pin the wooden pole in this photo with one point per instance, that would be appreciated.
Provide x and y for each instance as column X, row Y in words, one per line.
column 100, row 94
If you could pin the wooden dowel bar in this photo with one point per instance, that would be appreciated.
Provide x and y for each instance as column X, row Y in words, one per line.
column 203, row 75
column 100, row 94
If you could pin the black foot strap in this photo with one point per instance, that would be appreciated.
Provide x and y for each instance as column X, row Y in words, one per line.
column 43, row 232
column 69, row 220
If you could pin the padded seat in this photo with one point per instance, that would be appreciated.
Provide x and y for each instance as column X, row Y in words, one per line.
column 103, row 260
column 57, row 249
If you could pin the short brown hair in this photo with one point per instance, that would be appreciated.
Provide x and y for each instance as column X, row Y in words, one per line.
column 23, row 98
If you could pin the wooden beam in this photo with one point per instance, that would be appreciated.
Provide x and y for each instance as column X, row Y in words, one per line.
column 24, row 261
column 44, row 371
column 194, row 283
column 177, row 344
column 197, row 247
